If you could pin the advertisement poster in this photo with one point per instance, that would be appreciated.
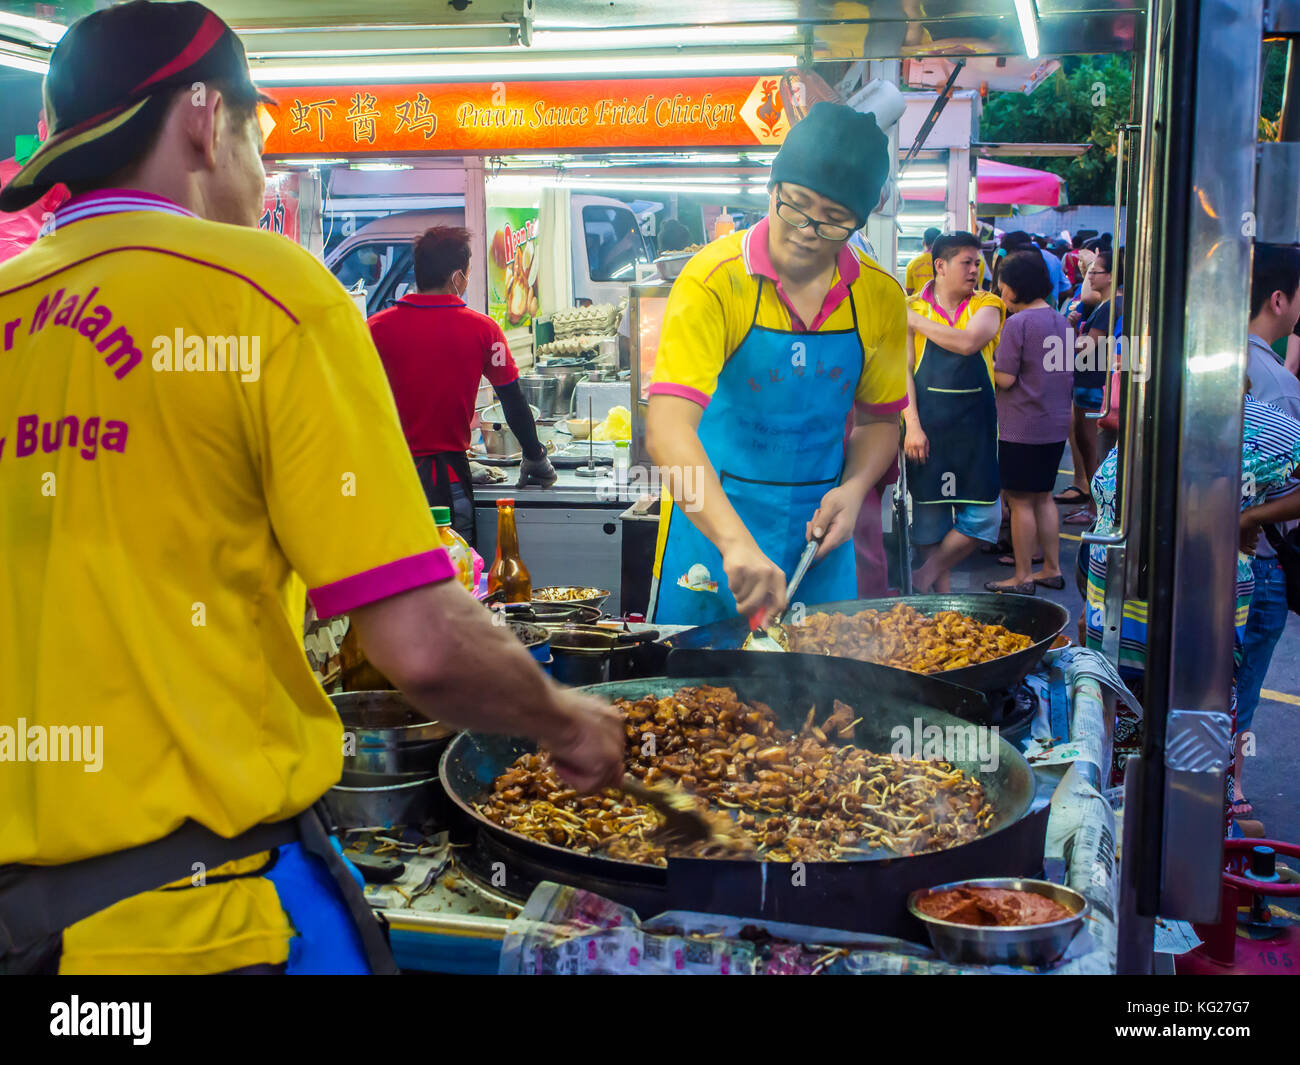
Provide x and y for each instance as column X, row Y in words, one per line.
column 514, row 264
column 280, row 206
column 506, row 116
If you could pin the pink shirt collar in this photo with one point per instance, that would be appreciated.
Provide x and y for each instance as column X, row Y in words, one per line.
column 115, row 201
column 927, row 294
column 758, row 261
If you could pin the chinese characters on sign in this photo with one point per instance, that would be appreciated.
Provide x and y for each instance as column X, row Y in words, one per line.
column 416, row 116
column 301, row 114
column 722, row 111
column 362, row 115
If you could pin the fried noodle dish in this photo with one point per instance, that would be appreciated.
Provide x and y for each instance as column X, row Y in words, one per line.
column 566, row 595
column 798, row 796
column 905, row 638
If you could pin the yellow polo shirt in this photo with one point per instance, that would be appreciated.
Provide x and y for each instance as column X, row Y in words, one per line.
column 712, row 306
column 717, row 298
column 923, row 303
column 160, row 521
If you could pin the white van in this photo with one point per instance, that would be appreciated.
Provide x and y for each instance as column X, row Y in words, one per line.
column 603, row 245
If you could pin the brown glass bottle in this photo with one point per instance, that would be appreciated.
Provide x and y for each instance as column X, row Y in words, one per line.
column 508, row 574
column 357, row 674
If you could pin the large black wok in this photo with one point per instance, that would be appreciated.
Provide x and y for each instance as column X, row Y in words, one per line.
column 1039, row 619
column 864, row 893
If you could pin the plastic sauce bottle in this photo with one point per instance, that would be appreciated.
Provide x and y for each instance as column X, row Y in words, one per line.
column 509, row 575
column 456, row 547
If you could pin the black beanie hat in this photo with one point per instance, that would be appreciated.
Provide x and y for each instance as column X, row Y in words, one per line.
column 839, row 153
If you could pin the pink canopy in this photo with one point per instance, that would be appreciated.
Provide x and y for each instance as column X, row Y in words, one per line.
column 999, row 182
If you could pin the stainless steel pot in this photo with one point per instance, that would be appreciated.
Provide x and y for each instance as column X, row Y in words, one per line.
column 412, row 803
column 566, row 375
column 541, row 391
column 498, row 440
column 585, row 654
column 386, row 740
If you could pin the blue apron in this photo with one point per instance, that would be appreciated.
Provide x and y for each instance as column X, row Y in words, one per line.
column 958, row 412
column 326, row 941
column 774, row 432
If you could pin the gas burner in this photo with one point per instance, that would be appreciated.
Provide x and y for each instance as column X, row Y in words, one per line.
column 1012, row 712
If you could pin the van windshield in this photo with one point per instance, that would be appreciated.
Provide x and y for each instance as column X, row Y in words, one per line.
column 614, row 242
column 369, row 263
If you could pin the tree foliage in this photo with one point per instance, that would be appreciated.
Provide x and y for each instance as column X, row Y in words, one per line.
column 1081, row 103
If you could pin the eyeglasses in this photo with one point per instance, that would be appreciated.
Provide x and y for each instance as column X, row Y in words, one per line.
column 791, row 215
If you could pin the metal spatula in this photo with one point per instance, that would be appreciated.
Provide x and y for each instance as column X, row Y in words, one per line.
column 685, row 823
column 771, row 636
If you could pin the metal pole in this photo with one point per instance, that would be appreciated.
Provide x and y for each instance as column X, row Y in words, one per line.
column 1196, row 487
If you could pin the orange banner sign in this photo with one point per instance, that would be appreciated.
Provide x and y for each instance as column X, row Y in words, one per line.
column 492, row 117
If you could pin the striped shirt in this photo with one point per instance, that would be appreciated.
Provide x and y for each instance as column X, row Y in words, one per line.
column 1270, row 456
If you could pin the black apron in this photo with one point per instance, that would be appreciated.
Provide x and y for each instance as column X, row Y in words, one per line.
column 437, row 485
column 958, row 411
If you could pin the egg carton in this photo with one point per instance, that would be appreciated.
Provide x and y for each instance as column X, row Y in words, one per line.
column 571, row 345
column 602, row 318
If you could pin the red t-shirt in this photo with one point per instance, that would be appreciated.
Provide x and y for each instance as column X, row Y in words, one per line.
column 434, row 350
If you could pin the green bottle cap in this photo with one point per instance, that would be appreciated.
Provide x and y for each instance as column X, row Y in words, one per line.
column 441, row 515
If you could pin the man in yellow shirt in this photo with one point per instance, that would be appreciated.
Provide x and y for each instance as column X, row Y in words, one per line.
column 195, row 429
column 772, row 341
column 920, row 271
column 951, row 421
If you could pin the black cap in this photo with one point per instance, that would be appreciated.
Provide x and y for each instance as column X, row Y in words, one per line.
column 105, row 91
column 839, row 153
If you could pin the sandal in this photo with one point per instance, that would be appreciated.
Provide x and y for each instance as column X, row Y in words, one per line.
column 1056, row 583
column 1242, row 807
column 1010, row 560
column 1028, row 588
column 1078, row 496
column 1082, row 516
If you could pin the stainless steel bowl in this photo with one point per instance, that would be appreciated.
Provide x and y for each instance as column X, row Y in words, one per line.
column 387, row 739
column 1033, row 944
column 597, row 600
column 412, row 803
column 672, row 264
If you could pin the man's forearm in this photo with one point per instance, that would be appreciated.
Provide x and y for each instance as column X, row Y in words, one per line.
column 453, row 660
column 1274, row 511
column 959, row 341
column 873, row 446
column 520, row 419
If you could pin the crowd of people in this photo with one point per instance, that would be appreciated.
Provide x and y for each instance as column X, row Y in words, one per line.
column 1050, row 333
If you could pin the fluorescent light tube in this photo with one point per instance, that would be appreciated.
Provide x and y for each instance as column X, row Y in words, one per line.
column 1027, row 13
column 483, row 67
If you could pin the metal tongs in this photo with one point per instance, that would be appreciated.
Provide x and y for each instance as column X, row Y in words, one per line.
column 686, row 824
column 771, row 636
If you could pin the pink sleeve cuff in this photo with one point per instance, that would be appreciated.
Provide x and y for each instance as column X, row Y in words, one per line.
column 390, row 579
column 876, row 410
column 667, row 388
